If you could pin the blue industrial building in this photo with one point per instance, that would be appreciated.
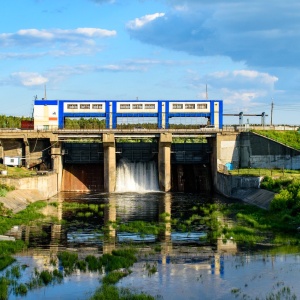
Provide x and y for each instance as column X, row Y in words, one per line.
column 52, row 113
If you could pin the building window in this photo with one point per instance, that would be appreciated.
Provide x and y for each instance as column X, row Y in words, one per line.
column 97, row 106
column 202, row 106
column 124, row 106
column 85, row 106
column 189, row 106
column 137, row 106
column 177, row 106
column 72, row 106
column 149, row 106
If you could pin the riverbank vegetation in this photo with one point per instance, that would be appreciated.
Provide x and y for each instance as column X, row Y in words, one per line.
column 289, row 138
column 280, row 225
column 287, row 199
column 4, row 189
column 31, row 214
column 265, row 172
column 9, row 220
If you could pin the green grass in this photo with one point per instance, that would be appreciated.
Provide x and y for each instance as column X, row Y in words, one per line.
column 16, row 172
column 266, row 172
column 287, row 137
column 5, row 261
column 4, row 189
column 252, row 225
column 29, row 215
column 25, row 217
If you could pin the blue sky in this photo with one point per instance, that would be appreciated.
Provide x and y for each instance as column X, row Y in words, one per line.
column 245, row 52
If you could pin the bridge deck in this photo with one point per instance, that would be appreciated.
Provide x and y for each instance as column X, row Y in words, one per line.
column 62, row 134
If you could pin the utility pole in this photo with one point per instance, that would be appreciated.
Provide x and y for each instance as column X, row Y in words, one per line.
column 45, row 92
column 272, row 107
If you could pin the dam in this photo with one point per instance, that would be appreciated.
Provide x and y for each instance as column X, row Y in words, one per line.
column 94, row 160
column 138, row 146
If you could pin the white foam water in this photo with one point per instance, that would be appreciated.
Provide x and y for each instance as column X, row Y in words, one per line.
column 139, row 177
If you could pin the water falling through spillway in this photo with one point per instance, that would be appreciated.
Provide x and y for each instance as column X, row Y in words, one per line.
column 137, row 177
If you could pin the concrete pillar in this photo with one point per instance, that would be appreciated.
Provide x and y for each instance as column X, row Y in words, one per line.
column 109, row 162
column 225, row 149
column 57, row 165
column 164, row 161
column 26, row 152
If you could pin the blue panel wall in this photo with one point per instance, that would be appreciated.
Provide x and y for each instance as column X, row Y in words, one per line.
column 113, row 115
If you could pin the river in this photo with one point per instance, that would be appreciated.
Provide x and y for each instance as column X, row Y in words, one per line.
column 187, row 266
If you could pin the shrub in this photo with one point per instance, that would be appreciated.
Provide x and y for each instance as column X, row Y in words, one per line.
column 280, row 201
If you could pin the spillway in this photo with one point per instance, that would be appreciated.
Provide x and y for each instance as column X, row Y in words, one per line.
column 139, row 177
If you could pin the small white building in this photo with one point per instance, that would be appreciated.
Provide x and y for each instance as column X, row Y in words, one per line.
column 12, row 161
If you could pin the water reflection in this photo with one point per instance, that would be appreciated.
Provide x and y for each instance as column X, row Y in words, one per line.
column 188, row 263
column 93, row 220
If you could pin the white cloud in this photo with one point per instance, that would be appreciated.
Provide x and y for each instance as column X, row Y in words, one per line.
column 43, row 37
column 95, row 32
column 240, row 89
column 255, row 75
column 241, row 98
column 28, row 79
column 140, row 22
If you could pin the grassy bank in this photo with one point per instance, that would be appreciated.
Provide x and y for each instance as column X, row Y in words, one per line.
column 265, row 172
column 25, row 217
column 280, row 225
column 286, row 137
column 16, row 172
column 7, row 220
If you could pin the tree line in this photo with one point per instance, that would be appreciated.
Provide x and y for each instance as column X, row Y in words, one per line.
column 12, row 121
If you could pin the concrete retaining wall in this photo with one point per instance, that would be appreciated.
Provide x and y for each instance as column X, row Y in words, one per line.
column 19, row 199
column 226, row 184
column 245, row 189
column 46, row 185
column 249, row 150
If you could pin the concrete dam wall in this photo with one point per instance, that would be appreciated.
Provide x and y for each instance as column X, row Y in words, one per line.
column 83, row 167
column 250, row 150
